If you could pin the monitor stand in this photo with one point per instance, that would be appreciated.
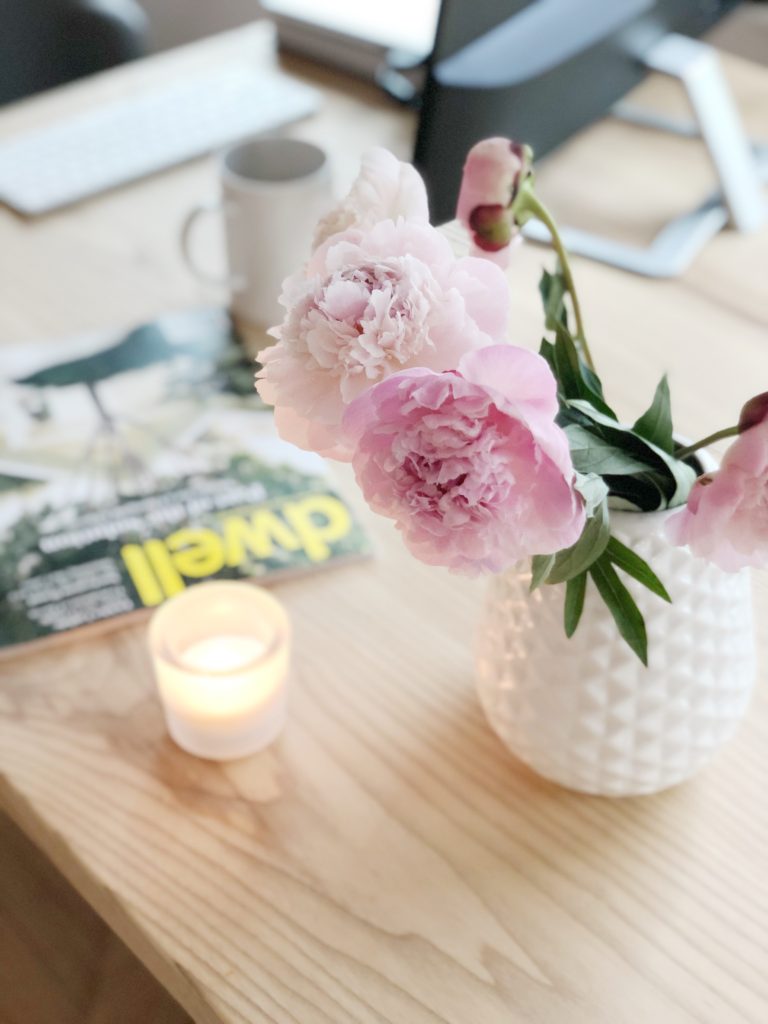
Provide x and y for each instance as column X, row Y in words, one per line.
column 741, row 168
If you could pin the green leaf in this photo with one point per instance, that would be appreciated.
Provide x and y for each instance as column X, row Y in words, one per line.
column 595, row 386
column 621, row 605
column 540, row 566
column 635, row 566
column 685, row 478
column 574, row 377
column 593, row 540
column 567, row 365
column 591, row 453
column 641, row 492
column 674, row 477
column 575, row 589
column 547, row 351
column 553, row 291
column 655, row 425
column 593, row 490
column 611, row 429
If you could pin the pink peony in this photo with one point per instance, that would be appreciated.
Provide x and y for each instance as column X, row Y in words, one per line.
column 385, row 189
column 469, row 463
column 493, row 172
column 726, row 518
column 367, row 305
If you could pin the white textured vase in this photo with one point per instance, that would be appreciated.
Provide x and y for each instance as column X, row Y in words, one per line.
column 585, row 712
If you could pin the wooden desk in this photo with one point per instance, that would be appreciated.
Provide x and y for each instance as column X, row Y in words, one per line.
column 387, row 861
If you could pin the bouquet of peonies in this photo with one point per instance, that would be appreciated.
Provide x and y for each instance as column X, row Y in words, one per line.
column 393, row 355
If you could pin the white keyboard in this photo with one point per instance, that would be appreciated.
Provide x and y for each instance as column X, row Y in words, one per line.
column 128, row 139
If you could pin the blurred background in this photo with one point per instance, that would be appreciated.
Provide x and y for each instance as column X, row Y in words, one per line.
column 533, row 69
column 173, row 22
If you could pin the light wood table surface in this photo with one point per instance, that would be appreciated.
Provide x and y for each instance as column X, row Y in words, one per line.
column 387, row 860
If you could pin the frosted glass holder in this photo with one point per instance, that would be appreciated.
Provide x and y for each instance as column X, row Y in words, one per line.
column 220, row 652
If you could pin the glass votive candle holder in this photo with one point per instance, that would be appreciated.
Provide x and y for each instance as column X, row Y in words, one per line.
column 221, row 656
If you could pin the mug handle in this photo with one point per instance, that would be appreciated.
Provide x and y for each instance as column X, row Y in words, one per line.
column 232, row 281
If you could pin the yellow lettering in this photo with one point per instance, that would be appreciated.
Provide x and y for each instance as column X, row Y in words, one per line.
column 141, row 575
column 318, row 520
column 197, row 553
column 157, row 567
column 257, row 535
column 166, row 573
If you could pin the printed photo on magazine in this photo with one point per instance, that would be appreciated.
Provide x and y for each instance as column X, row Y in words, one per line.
column 136, row 463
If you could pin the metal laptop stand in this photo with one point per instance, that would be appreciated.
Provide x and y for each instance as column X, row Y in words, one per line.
column 740, row 165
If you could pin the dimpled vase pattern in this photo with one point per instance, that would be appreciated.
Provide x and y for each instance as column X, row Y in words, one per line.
column 585, row 712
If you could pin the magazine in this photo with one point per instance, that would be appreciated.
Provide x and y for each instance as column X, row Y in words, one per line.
column 135, row 464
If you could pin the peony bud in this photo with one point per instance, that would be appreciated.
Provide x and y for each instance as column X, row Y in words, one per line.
column 493, row 174
column 754, row 412
column 491, row 227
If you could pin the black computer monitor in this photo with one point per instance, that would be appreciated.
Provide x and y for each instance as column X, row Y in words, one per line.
column 536, row 71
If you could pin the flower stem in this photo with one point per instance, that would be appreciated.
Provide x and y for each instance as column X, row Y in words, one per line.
column 718, row 435
column 527, row 202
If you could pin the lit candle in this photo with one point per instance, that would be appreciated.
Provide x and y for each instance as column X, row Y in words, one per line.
column 220, row 652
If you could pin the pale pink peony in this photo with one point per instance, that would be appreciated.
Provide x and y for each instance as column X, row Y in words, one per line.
column 385, row 189
column 367, row 305
column 469, row 463
column 493, row 172
column 726, row 518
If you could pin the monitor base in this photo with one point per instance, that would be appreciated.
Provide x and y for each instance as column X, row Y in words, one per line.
column 741, row 168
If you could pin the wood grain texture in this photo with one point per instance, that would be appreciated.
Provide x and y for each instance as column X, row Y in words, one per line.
column 386, row 861
column 59, row 963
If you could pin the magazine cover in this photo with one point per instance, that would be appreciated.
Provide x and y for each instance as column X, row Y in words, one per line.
column 135, row 464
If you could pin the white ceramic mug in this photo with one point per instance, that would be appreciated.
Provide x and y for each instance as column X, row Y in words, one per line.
column 273, row 192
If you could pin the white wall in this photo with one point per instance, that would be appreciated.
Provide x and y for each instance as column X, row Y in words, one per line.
column 180, row 21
